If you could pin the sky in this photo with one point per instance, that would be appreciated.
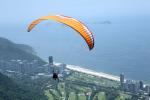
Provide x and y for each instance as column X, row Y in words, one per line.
column 22, row 11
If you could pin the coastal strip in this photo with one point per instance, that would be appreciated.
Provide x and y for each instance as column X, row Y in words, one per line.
column 93, row 73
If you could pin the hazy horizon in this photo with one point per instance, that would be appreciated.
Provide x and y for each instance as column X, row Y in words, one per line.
column 25, row 11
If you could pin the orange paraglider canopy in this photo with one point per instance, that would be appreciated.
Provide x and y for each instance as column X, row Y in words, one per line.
column 71, row 22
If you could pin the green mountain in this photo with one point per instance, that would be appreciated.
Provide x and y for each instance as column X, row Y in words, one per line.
column 26, row 48
column 10, row 50
column 15, row 89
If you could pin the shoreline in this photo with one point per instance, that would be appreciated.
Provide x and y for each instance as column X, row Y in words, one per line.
column 92, row 72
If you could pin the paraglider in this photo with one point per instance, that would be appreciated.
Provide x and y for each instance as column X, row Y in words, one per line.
column 71, row 22
column 78, row 26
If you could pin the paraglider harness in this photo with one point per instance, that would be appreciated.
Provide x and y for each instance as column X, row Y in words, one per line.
column 55, row 75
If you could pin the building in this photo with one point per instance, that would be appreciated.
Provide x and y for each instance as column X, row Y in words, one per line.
column 141, row 85
column 122, row 80
column 147, row 89
column 131, row 86
column 60, row 68
column 50, row 60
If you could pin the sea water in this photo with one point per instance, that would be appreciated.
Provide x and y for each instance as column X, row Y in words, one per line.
column 122, row 46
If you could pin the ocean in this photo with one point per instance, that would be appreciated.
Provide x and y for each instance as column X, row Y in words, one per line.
column 122, row 46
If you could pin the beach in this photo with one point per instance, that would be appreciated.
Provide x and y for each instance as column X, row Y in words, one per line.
column 91, row 72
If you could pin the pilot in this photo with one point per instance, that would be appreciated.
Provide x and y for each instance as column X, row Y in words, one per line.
column 55, row 76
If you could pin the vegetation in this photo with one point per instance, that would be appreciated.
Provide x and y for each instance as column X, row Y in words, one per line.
column 80, row 87
column 10, row 90
column 10, row 50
